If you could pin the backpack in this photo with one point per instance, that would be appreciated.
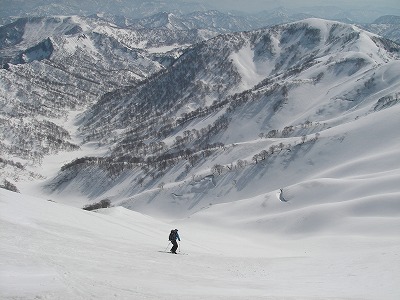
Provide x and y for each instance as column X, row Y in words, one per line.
column 172, row 235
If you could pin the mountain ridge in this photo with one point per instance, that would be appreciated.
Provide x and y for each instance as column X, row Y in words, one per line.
column 266, row 96
column 172, row 138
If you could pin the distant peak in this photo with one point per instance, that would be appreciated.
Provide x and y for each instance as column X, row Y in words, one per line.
column 388, row 19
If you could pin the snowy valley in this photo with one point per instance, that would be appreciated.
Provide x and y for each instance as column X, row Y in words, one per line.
column 274, row 151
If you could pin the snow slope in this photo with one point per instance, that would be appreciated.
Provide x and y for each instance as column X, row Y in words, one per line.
column 52, row 251
column 356, row 145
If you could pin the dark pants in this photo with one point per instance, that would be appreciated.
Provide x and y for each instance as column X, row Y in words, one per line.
column 174, row 247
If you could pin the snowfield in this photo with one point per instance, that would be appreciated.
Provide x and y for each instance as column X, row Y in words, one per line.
column 53, row 251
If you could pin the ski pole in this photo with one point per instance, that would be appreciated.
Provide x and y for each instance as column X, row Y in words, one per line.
column 167, row 246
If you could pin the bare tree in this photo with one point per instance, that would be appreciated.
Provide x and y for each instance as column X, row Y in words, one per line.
column 272, row 133
column 272, row 150
column 161, row 185
column 218, row 169
column 263, row 154
column 255, row 158
column 240, row 164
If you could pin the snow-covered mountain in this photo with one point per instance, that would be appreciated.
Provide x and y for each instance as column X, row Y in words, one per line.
column 57, row 65
column 269, row 12
column 211, row 20
column 387, row 26
column 275, row 152
column 238, row 116
column 128, row 8
column 185, row 15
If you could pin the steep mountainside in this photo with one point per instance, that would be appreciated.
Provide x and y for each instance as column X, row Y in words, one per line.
column 235, row 109
column 387, row 26
column 214, row 71
column 52, row 67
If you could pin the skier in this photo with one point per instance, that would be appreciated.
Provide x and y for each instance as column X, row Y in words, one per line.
column 173, row 236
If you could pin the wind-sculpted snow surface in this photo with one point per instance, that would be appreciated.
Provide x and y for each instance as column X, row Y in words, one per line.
column 233, row 251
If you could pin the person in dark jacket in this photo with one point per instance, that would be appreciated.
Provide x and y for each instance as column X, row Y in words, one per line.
column 173, row 236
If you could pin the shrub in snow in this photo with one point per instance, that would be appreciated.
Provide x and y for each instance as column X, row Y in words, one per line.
column 9, row 186
column 102, row 204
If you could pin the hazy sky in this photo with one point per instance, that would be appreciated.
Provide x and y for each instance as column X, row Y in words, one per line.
column 254, row 5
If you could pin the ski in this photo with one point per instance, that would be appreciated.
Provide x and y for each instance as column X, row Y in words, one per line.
column 177, row 253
